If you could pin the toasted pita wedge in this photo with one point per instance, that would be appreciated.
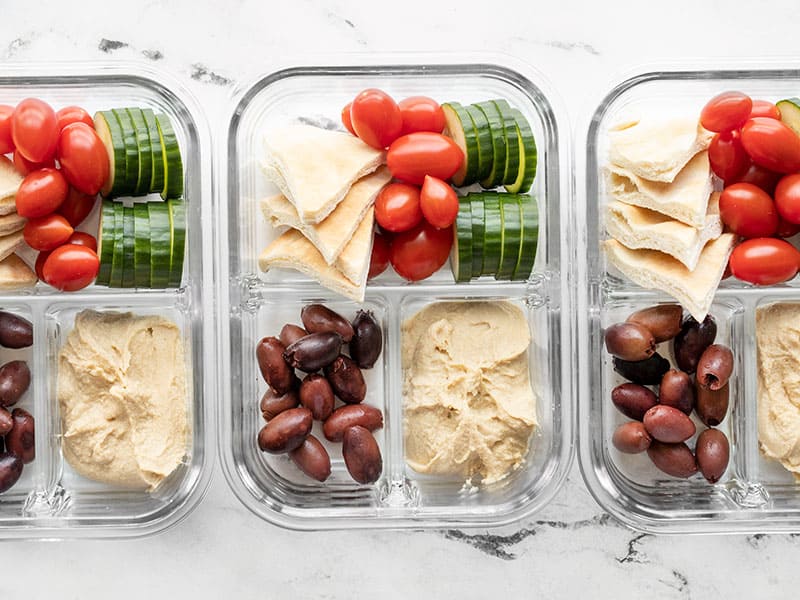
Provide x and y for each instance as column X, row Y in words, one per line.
column 334, row 233
column 291, row 250
column 655, row 270
column 9, row 184
column 314, row 168
column 354, row 260
column 10, row 244
column 11, row 222
column 15, row 274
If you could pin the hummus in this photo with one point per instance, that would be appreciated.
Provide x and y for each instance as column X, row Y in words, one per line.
column 122, row 396
column 778, row 344
column 469, row 409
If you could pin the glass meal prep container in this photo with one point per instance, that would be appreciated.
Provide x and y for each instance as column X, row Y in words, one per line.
column 51, row 500
column 255, row 305
column 755, row 494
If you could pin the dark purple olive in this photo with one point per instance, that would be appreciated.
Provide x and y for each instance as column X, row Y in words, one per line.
column 291, row 333
column 10, row 470
column 318, row 318
column 712, row 405
column 277, row 374
column 713, row 452
column 631, row 438
column 316, row 395
column 15, row 378
column 677, row 390
column 715, row 367
column 15, row 332
column 346, row 380
column 674, row 459
column 643, row 372
column 663, row 320
column 6, row 421
column 633, row 400
column 630, row 341
column 692, row 341
column 273, row 404
column 21, row 440
column 367, row 342
column 314, row 351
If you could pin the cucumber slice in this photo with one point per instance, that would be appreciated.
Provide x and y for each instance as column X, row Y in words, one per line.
column 177, row 222
column 145, row 153
column 459, row 127
column 527, row 155
column 128, row 184
column 160, row 241
column 511, row 235
column 105, row 242
column 141, row 245
column 495, row 176
column 110, row 133
column 492, row 234
column 115, row 278
column 157, row 175
column 173, row 165
column 461, row 254
column 529, row 215
column 128, row 238
column 478, row 230
column 483, row 134
column 790, row 113
column 512, row 141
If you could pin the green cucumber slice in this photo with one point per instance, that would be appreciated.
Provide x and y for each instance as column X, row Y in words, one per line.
column 495, row 176
column 492, row 235
column 461, row 254
column 177, row 221
column 110, row 133
column 511, row 235
column 483, row 135
column 128, row 238
column 116, row 240
column 160, row 242
column 173, row 164
column 527, row 155
column 459, row 127
column 478, row 231
column 128, row 184
column 157, row 175
column 529, row 214
column 790, row 113
column 512, row 141
column 141, row 245
column 105, row 242
column 145, row 153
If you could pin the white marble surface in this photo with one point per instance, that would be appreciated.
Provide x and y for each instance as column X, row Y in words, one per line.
column 572, row 548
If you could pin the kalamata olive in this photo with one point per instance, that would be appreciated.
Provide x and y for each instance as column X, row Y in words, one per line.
column 712, row 405
column 15, row 332
column 712, row 452
column 347, row 416
column 715, row 367
column 631, row 438
column 367, row 342
column 674, row 459
column 10, row 470
column 291, row 333
column 314, row 351
column 286, row 431
column 312, row 459
column 273, row 404
column 15, row 378
column 677, row 390
column 21, row 440
column 362, row 456
column 630, row 341
column 669, row 425
column 274, row 369
column 662, row 320
column 346, row 380
column 318, row 318
column 317, row 396
column 692, row 341
column 633, row 400
column 643, row 372
column 6, row 421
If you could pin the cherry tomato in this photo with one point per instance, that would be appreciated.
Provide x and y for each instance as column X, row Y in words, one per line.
column 397, row 207
column 79, row 238
column 83, row 158
column 41, row 193
column 764, row 261
column 786, row 229
column 758, row 176
column 71, row 267
column 41, row 258
column 438, row 201
column 420, row 252
column 24, row 166
column 763, row 108
column 346, row 118
column 727, row 156
column 415, row 155
column 748, row 211
column 421, row 113
column 47, row 233
column 34, row 130
column 6, row 143
column 787, row 198
column 379, row 260
column 73, row 114
column 771, row 144
column 77, row 206
column 376, row 118
column 726, row 111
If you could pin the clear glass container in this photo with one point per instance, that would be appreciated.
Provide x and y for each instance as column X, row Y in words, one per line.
column 755, row 494
column 254, row 305
column 51, row 500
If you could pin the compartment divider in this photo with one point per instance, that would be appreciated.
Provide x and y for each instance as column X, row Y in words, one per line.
column 45, row 415
column 748, row 399
column 393, row 392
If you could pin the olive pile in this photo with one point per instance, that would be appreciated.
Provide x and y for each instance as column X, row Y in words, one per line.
column 17, row 441
column 662, row 422
column 290, row 406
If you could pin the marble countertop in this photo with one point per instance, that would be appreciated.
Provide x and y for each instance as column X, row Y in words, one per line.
column 571, row 548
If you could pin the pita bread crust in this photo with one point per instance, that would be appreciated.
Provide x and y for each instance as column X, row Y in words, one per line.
column 11, row 222
column 9, row 244
column 9, row 184
column 354, row 260
column 15, row 274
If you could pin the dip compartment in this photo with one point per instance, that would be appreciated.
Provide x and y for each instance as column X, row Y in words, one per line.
column 51, row 500
column 259, row 304
column 755, row 494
